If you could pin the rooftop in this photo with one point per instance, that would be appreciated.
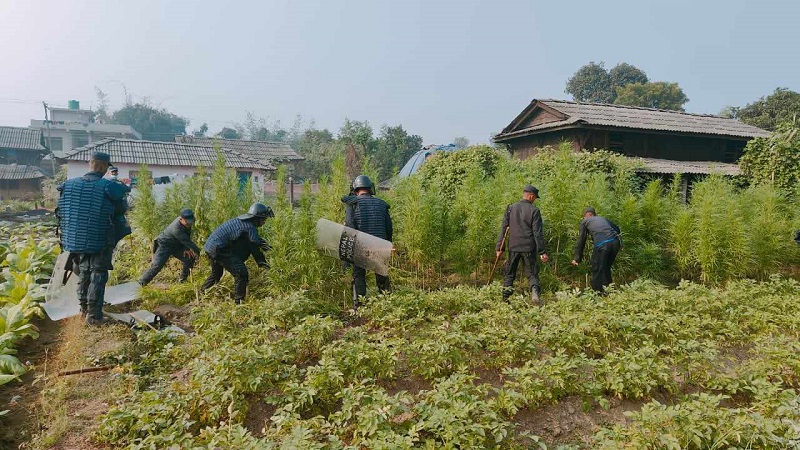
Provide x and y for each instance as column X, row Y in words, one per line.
column 158, row 153
column 573, row 114
column 19, row 172
column 21, row 138
column 264, row 151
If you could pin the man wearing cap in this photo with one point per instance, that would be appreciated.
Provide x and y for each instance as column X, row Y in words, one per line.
column 175, row 240
column 113, row 172
column 232, row 243
column 606, row 239
column 88, row 211
column 525, row 242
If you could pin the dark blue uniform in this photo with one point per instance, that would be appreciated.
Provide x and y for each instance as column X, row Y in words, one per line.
column 174, row 241
column 369, row 215
column 605, row 235
column 88, row 212
column 229, row 246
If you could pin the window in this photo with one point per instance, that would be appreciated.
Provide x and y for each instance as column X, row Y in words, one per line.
column 55, row 144
column 79, row 140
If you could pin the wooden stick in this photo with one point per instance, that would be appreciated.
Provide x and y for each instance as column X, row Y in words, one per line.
column 497, row 259
column 84, row 370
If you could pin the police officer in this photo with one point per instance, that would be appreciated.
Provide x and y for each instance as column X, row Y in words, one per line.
column 232, row 243
column 88, row 210
column 605, row 235
column 176, row 241
column 370, row 215
column 113, row 173
column 523, row 223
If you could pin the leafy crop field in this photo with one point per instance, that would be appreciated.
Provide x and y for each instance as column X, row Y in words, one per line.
column 697, row 348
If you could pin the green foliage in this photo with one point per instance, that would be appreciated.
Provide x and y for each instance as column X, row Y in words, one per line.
column 393, row 148
column 154, row 124
column 658, row 95
column 768, row 112
column 594, row 84
column 775, row 159
column 144, row 215
column 448, row 170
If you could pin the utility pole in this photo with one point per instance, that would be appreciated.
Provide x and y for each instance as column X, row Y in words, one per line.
column 49, row 141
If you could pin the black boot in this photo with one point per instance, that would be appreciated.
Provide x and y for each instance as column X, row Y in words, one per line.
column 507, row 293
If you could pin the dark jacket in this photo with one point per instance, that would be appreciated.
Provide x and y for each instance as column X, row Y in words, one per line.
column 603, row 231
column 524, row 223
column 368, row 214
column 88, row 211
column 177, row 237
column 238, row 238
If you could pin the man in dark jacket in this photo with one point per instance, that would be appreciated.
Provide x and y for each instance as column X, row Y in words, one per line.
column 370, row 215
column 525, row 241
column 232, row 243
column 176, row 241
column 88, row 211
column 606, row 239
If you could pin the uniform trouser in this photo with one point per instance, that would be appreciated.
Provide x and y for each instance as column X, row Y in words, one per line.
column 530, row 266
column 236, row 267
column 602, row 259
column 92, row 278
column 360, row 283
column 160, row 258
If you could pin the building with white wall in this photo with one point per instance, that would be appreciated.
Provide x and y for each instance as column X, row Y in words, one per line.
column 165, row 159
column 70, row 128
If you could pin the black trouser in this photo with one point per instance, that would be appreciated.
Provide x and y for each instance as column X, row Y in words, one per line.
column 360, row 283
column 602, row 259
column 92, row 271
column 530, row 265
column 160, row 258
column 233, row 264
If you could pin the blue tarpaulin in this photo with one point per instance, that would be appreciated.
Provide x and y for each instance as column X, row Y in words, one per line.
column 416, row 161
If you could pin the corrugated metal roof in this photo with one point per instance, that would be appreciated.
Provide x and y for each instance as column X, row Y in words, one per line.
column 264, row 151
column 21, row 138
column 19, row 172
column 632, row 117
column 133, row 151
column 653, row 165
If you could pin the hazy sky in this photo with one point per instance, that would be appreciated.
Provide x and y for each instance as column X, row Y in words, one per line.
column 440, row 68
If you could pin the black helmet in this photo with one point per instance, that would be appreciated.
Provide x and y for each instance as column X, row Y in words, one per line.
column 258, row 210
column 363, row 181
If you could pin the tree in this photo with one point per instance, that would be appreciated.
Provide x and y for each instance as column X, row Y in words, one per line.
column 229, row 133
column 201, row 132
column 101, row 110
column 319, row 149
column 154, row 124
column 659, row 95
column 775, row 159
column 355, row 132
column 624, row 74
column 461, row 142
column 768, row 112
column 591, row 83
column 392, row 150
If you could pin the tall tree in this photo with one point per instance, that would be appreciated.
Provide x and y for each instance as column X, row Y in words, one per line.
column 154, row 124
column 768, row 112
column 659, row 95
column 394, row 147
column 356, row 132
column 461, row 142
column 623, row 74
column 319, row 149
column 591, row 83
column 229, row 133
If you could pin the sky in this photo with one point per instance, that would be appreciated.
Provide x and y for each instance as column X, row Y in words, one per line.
column 442, row 69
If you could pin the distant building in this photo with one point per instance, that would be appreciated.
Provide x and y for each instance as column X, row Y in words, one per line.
column 165, row 159
column 265, row 152
column 20, row 145
column 70, row 128
column 668, row 141
column 20, row 182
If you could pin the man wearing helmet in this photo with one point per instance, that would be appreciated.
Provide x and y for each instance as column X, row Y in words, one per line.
column 232, row 243
column 370, row 215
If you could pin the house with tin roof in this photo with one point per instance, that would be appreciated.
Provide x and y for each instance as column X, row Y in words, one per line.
column 166, row 160
column 20, row 182
column 20, row 145
column 667, row 142
column 267, row 152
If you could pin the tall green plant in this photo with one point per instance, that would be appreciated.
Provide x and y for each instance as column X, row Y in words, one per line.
column 145, row 214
